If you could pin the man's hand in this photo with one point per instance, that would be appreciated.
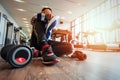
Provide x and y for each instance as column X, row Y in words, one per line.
column 49, row 16
column 32, row 20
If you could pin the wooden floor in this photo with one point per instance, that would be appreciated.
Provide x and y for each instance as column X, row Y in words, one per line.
column 98, row 66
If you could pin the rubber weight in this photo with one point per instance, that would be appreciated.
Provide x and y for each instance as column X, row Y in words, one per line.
column 5, row 50
column 19, row 56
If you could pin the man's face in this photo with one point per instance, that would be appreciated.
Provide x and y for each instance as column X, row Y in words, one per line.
column 48, row 14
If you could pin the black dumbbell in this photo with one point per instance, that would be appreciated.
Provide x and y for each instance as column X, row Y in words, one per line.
column 17, row 55
column 4, row 51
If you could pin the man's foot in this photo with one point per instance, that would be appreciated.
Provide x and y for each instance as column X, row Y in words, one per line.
column 48, row 56
column 36, row 53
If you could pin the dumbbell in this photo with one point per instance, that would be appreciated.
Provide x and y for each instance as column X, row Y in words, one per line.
column 17, row 55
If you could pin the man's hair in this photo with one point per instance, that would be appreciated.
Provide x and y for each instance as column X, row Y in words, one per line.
column 47, row 8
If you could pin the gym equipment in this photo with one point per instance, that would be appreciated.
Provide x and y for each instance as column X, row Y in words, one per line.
column 61, row 48
column 53, row 22
column 80, row 55
column 4, row 51
column 60, row 42
column 17, row 55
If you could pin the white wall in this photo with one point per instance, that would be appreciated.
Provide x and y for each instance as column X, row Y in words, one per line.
column 3, row 24
column 3, row 10
column 7, row 14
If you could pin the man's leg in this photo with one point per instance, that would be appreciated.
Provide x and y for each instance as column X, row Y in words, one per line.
column 47, row 54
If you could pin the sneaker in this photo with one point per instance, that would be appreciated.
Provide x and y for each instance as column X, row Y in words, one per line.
column 48, row 57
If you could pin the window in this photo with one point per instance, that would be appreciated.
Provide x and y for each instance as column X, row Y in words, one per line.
column 113, row 3
column 119, row 12
column 119, row 2
column 101, row 18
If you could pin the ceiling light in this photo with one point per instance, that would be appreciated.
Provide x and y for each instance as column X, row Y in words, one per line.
column 25, row 21
column 62, row 17
column 19, row 1
column 24, row 18
column 78, row 4
column 21, row 10
column 45, row 6
column 69, row 12
column 27, row 26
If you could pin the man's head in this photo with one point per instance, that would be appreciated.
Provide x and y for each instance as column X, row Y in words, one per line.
column 48, row 12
